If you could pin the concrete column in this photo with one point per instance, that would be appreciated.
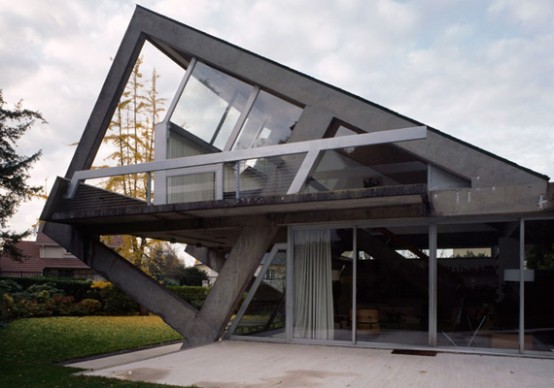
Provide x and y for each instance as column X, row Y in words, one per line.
column 209, row 257
column 131, row 280
column 236, row 274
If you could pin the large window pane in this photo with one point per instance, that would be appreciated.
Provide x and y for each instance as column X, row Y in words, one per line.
column 392, row 285
column 210, row 105
column 271, row 121
column 363, row 167
column 191, row 188
column 265, row 315
column 477, row 288
column 539, row 285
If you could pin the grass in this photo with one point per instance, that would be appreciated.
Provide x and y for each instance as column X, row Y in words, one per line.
column 31, row 348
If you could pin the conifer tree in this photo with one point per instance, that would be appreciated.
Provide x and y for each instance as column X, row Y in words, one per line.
column 14, row 170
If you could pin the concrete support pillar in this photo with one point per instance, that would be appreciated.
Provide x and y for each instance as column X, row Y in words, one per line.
column 209, row 257
column 174, row 311
column 236, row 274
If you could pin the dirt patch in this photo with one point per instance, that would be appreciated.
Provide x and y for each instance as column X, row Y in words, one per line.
column 150, row 375
column 292, row 378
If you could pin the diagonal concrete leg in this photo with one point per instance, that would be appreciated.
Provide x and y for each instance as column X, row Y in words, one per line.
column 174, row 311
column 238, row 270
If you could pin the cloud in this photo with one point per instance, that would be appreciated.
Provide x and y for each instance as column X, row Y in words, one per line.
column 478, row 71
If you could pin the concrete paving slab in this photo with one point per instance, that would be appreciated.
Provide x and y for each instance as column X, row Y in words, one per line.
column 231, row 364
column 126, row 358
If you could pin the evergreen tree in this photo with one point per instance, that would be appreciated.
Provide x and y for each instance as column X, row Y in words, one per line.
column 14, row 170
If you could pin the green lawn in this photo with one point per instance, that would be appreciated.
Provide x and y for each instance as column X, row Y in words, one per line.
column 31, row 348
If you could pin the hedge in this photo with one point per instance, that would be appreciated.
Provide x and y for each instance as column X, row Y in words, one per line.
column 194, row 295
column 40, row 297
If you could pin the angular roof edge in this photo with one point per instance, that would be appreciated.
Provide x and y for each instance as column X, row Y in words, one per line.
column 355, row 96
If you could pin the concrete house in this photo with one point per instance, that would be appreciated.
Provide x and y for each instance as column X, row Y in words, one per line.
column 364, row 227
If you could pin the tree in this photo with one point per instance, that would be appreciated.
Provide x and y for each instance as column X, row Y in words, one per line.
column 191, row 276
column 14, row 170
column 131, row 133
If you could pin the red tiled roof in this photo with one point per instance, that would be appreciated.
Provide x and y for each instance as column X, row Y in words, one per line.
column 73, row 263
column 30, row 263
column 43, row 239
column 33, row 263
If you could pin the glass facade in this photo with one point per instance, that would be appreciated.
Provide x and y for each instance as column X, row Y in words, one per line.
column 371, row 284
column 364, row 167
column 271, row 121
column 478, row 301
column 210, row 105
column 539, row 285
column 392, row 284
column 216, row 112
column 265, row 314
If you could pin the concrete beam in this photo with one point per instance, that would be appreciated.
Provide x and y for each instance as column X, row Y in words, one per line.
column 174, row 311
column 105, row 106
column 209, row 257
column 236, row 274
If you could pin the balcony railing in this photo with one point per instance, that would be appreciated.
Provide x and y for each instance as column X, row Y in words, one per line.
column 272, row 170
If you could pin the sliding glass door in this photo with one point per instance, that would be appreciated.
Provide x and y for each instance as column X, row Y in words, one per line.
column 478, row 285
column 371, row 283
column 391, row 284
column 539, row 286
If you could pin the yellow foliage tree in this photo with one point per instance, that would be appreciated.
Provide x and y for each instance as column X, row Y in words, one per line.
column 131, row 134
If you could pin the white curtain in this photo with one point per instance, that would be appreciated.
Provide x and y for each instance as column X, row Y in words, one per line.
column 313, row 293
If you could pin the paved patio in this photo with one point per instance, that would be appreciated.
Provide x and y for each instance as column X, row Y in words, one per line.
column 253, row 364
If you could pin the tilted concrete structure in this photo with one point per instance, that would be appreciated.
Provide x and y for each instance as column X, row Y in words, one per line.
column 345, row 206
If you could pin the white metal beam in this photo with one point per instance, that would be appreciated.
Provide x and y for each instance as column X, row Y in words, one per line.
column 391, row 136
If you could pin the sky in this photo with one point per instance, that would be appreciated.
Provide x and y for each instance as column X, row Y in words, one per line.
column 481, row 71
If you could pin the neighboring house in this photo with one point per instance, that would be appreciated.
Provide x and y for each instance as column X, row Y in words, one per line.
column 363, row 215
column 43, row 257
column 210, row 273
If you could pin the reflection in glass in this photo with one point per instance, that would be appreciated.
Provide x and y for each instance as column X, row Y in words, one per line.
column 478, row 303
column 258, row 177
column 539, row 285
column 271, row 121
column 364, row 167
column 265, row 315
column 210, row 105
column 392, row 285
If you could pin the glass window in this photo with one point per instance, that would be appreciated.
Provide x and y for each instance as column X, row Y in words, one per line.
column 210, row 105
column 477, row 297
column 366, row 166
column 265, row 315
column 271, row 121
column 392, row 285
column 539, row 285
column 191, row 188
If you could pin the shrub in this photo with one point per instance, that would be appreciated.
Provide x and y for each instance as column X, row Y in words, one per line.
column 9, row 286
column 27, row 308
column 63, row 305
column 80, row 289
column 116, row 302
column 193, row 295
column 88, row 307
column 41, row 292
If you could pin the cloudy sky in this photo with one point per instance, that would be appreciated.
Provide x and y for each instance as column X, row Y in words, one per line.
column 482, row 71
